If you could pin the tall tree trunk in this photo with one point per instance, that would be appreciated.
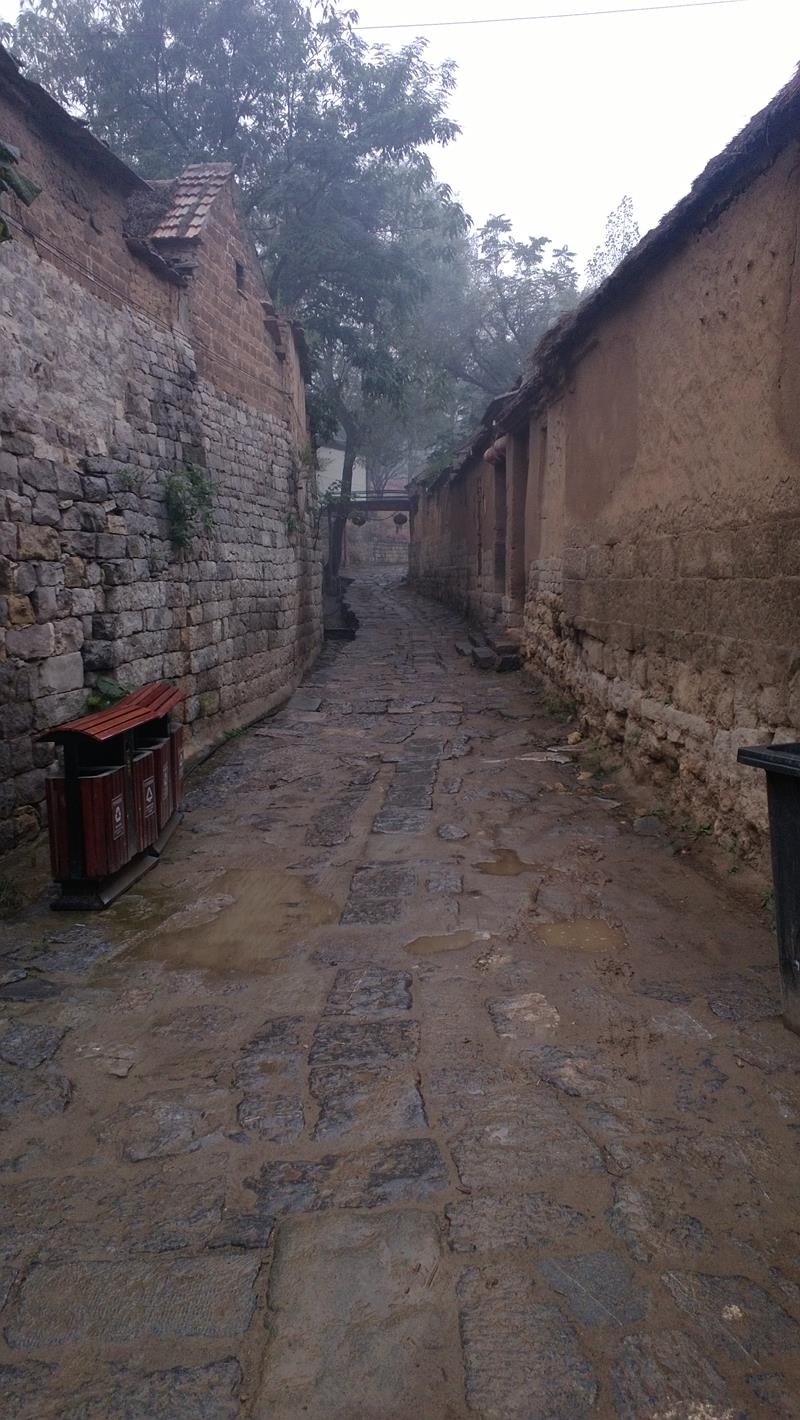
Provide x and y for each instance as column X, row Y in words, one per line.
column 340, row 516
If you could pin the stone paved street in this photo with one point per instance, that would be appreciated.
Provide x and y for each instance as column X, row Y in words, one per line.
column 413, row 1085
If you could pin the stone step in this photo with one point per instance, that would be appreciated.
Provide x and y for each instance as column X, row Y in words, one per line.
column 463, row 648
column 508, row 662
column 483, row 658
column 503, row 643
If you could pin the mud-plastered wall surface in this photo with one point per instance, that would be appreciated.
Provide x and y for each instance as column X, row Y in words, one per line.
column 662, row 513
column 664, row 593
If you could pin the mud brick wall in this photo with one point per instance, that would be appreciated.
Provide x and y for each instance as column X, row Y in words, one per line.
column 108, row 383
column 458, row 552
column 449, row 528
column 662, row 514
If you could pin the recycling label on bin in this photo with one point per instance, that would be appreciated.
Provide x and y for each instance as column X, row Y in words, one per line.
column 117, row 817
column 149, row 797
column 165, row 785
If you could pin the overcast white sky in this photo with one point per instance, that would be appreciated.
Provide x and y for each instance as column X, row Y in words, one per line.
column 562, row 117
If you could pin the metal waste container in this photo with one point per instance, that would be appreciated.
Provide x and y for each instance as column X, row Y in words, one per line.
column 782, row 766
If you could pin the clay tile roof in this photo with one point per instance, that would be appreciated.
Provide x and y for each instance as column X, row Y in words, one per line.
column 190, row 201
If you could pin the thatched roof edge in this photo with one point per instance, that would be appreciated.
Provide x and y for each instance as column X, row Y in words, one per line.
column 751, row 153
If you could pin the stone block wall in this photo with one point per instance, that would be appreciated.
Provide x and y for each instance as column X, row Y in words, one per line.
column 102, row 396
column 379, row 543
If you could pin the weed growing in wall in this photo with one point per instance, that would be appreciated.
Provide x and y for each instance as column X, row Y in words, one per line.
column 12, row 180
column 104, row 693
column 188, row 496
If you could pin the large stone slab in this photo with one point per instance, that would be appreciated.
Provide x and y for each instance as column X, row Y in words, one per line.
column 279, row 1042
column 33, row 1094
column 369, row 991
column 28, row 1045
column 487, row 1223
column 382, row 880
column 371, row 1043
column 522, row 1360
column 409, row 1169
column 275, row 1117
column 67, row 1304
column 397, row 820
column 360, row 1322
column 650, row 1228
column 106, row 1214
column 181, row 1393
column 599, row 1287
column 167, row 1124
column 526, row 1017
column 522, row 1146
column 376, row 1103
column 371, row 912
column 745, row 998
column 736, row 1315
column 24, row 1390
column 270, row 1079
column 74, row 952
column 778, row 1396
column 667, row 1374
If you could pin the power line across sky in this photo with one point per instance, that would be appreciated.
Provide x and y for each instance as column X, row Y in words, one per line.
column 555, row 15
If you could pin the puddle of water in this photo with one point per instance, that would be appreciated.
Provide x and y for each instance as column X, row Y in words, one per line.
column 588, row 934
column 447, row 942
column 253, row 914
column 507, row 864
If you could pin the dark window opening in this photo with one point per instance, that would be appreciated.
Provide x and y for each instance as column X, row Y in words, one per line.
column 240, row 278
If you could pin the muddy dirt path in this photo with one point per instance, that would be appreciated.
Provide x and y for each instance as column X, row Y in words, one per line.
column 413, row 1085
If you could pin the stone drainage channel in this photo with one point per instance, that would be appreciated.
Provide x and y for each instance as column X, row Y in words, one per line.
column 413, row 1084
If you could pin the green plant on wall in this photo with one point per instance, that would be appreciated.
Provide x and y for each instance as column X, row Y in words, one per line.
column 11, row 180
column 188, row 496
column 104, row 693
column 307, row 458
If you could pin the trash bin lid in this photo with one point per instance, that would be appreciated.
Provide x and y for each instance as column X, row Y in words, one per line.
column 149, row 703
column 776, row 759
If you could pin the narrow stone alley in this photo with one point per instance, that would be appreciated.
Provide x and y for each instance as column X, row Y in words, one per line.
column 413, row 1085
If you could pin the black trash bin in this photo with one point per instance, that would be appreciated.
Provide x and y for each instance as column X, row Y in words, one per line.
column 782, row 765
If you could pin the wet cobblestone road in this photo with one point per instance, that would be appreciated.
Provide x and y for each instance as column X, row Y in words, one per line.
column 413, row 1085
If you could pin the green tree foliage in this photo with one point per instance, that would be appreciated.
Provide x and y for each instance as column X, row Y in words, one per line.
column 413, row 322
column 316, row 122
column 490, row 300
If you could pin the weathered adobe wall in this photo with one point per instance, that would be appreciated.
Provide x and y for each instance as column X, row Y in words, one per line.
column 451, row 551
column 663, row 514
column 105, row 388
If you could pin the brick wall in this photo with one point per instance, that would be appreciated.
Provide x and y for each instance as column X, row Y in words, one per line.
column 111, row 377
